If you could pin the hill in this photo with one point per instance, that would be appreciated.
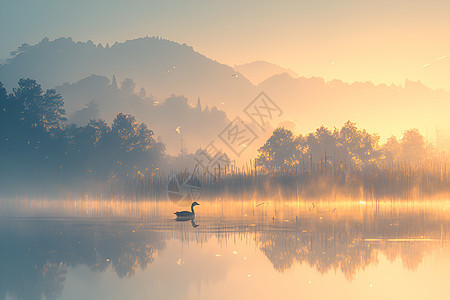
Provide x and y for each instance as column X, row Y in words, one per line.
column 381, row 109
column 258, row 71
column 96, row 97
column 160, row 66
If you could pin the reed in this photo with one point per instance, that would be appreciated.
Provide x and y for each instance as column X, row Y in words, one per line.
column 325, row 179
column 313, row 180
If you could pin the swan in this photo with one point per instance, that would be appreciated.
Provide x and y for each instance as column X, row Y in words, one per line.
column 187, row 215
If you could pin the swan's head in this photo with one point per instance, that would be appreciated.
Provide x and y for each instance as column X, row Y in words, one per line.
column 194, row 204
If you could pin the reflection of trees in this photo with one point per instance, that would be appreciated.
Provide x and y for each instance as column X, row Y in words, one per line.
column 322, row 250
column 352, row 245
column 411, row 254
column 35, row 256
column 345, row 243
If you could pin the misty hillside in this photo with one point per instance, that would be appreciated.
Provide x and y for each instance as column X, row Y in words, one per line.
column 160, row 66
column 258, row 71
column 164, row 68
column 97, row 97
column 381, row 109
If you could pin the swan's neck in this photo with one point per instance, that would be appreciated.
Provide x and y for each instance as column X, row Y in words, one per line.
column 192, row 208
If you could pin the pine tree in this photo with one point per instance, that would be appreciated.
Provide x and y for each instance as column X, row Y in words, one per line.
column 142, row 93
column 114, row 83
column 199, row 105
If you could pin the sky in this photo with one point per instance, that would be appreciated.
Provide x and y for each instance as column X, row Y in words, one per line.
column 352, row 40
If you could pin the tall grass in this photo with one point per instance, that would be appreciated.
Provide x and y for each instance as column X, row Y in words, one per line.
column 399, row 180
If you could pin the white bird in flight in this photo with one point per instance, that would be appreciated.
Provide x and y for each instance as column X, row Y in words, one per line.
column 178, row 129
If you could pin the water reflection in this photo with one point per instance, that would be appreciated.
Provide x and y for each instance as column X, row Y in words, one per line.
column 37, row 254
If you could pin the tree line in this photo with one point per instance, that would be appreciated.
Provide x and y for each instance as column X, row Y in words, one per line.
column 36, row 143
column 39, row 148
column 348, row 145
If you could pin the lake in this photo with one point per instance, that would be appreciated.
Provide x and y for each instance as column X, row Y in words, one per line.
column 235, row 249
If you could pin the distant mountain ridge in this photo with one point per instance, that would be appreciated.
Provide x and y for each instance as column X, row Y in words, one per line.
column 160, row 66
column 260, row 70
column 381, row 109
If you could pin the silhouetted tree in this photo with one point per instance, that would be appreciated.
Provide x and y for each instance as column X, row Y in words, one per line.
column 361, row 146
column 391, row 150
column 84, row 115
column 142, row 93
column 282, row 149
column 4, row 114
column 114, row 80
column 131, row 135
column 128, row 86
column 38, row 109
column 349, row 144
column 413, row 146
column 322, row 143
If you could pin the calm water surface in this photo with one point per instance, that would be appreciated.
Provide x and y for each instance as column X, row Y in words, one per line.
column 103, row 249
